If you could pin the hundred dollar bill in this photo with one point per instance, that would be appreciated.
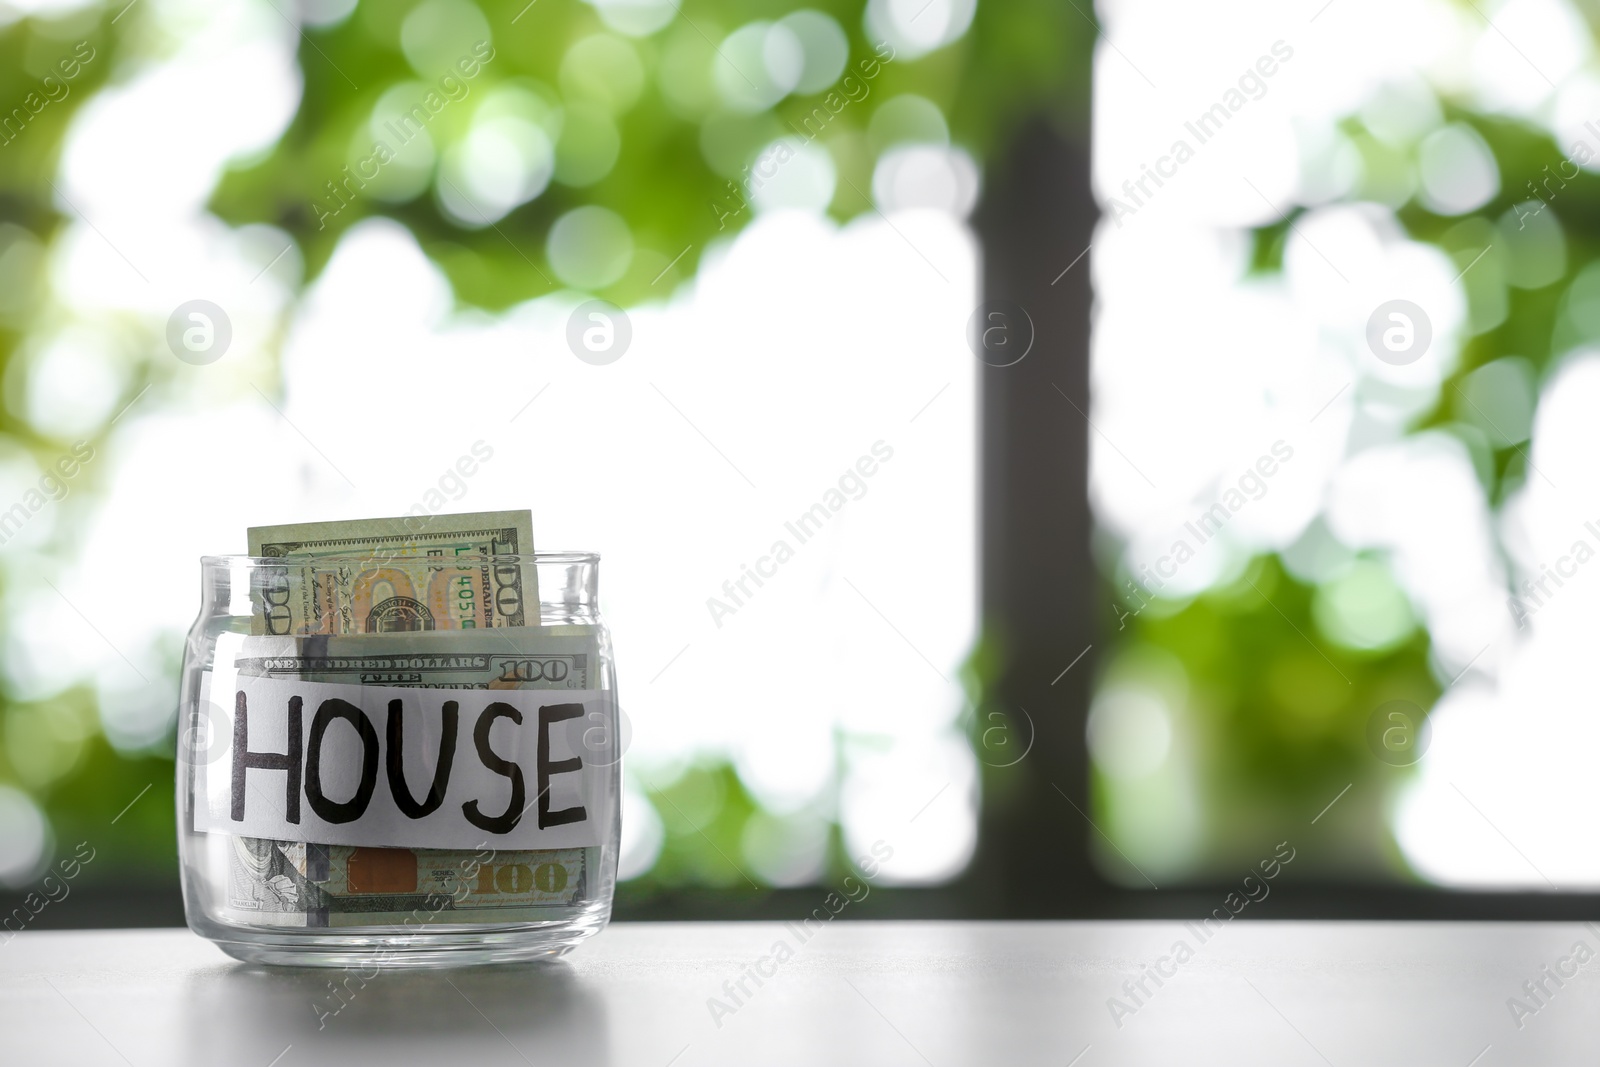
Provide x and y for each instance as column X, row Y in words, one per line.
column 396, row 574
column 291, row 883
column 530, row 657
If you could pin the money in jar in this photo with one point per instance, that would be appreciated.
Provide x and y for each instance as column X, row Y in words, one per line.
column 385, row 753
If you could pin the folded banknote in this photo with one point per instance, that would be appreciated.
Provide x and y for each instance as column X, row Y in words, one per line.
column 399, row 574
column 363, row 618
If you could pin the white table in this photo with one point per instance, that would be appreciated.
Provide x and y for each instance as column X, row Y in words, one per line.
column 886, row 994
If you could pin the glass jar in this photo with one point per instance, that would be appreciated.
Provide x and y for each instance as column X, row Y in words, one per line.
column 386, row 784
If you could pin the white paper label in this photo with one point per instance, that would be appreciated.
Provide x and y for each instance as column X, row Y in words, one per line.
column 403, row 767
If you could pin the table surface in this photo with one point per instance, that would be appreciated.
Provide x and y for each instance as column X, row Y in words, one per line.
column 922, row 994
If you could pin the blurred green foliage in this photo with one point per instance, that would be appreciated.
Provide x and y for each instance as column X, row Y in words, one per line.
column 1279, row 700
column 53, row 749
column 704, row 813
column 1277, row 714
column 635, row 124
column 34, row 117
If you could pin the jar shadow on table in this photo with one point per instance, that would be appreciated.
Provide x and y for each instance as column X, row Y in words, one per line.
column 248, row 1014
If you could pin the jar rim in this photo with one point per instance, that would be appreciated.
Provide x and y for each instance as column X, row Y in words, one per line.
column 558, row 558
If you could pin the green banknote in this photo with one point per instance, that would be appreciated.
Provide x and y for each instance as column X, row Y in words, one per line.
column 402, row 574
column 363, row 619
column 524, row 657
column 292, row 883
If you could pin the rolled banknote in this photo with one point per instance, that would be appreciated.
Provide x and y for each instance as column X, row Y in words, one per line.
column 527, row 657
column 396, row 574
column 291, row 883
column 362, row 620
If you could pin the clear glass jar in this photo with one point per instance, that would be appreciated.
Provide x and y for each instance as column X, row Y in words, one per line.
column 410, row 794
